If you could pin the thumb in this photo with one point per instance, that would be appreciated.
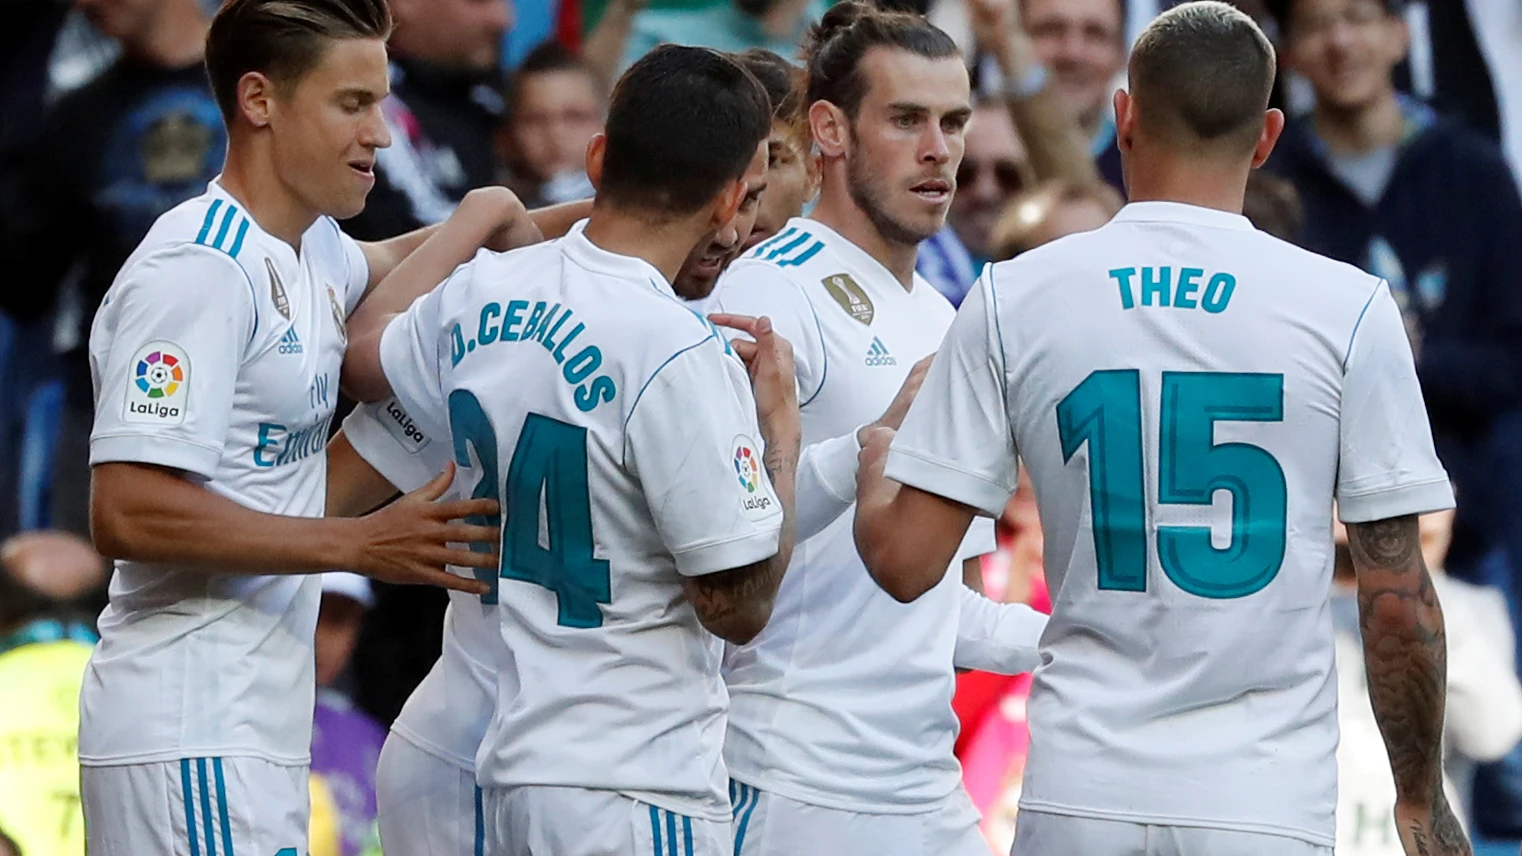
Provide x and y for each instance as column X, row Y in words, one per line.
column 436, row 487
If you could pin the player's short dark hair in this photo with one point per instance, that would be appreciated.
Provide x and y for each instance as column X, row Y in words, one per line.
column 682, row 122
column 282, row 39
column 783, row 83
column 835, row 47
column 1201, row 75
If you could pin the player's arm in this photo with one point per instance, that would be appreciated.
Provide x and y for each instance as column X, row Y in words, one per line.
column 1388, row 474
column 953, row 457
column 996, row 637
column 354, row 486
column 736, row 604
column 493, row 217
column 379, row 451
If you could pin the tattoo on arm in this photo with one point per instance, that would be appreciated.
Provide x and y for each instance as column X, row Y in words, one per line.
column 1405, row 654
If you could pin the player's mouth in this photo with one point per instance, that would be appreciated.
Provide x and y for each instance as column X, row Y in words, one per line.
column 710, row 263
column 365, row 169
column 933, row 190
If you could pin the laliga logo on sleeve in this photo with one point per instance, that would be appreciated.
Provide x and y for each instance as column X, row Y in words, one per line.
column 158, row 385
column 756, row 501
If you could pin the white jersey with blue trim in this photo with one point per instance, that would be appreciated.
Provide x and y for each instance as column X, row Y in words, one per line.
column 216, row 352
column 1189, row 396
column 623, row 445
column 844, row 700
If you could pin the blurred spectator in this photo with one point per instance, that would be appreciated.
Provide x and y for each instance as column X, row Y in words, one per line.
column 7, row 846
column 628, row 31
column 112, row 156
column 1053, row 210
column 1273, row 206
column 346, row 742
column 1082, row 44
column 554, row 108
column 43, row 650
column 1484, row 710
column 444, row 104
column 1429, row 206
column 994, row 168
column 1498, row 24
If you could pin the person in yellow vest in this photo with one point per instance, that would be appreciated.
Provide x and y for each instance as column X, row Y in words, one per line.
column 43, row 650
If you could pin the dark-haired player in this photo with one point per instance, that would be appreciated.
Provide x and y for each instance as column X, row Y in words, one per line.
column 215, row 357
column 840, row 726
column 1190, row 395
column 644, row 515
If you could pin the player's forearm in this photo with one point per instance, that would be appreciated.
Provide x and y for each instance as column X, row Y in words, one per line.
column 903, row 552
column 826, row 483
column 144, row 513
column 354, row 487
column 1404, row 652
column 997, row 637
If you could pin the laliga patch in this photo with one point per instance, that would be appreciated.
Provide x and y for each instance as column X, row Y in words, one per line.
column 158, row 385
column 756, row 499
column 851, row 297
column 402, row 428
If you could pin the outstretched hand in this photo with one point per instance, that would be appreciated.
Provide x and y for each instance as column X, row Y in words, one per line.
column 411, row 540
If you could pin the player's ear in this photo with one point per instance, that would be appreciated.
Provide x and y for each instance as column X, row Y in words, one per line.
column 1273, row 126
column 597, row 147
column 256, row 95
column 830, row 128
column 1125, row 120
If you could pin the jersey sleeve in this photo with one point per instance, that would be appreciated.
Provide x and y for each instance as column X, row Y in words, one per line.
column 826, row 483
column 412, row 357
column 693, row 442
column 166, row 359
column 1002, row 638
column 760, row 289
column 956, row 440
column 980, row 540
column 394, row 444
column 356, row 270
column 1387, row 466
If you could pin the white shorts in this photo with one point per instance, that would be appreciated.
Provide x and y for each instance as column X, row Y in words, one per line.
column 767, row 824
column 426, row 806
column 1039, row 833
column 196, row 807
column 533, row 821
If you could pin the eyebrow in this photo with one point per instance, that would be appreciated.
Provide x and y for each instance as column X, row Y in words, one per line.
column 365, row 96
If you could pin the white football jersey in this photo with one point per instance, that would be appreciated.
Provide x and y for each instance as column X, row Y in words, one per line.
column 623, row 445
column 1189, row 395
column 844, row 700
column 216, row 352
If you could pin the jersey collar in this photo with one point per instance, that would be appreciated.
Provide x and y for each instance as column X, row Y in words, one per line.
column 1179, row 212
column 598, row 260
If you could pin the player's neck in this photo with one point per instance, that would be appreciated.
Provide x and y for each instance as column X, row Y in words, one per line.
column 175, row 40
column 1205, row 185
column 249, row 177
column 664, row 246
column 840, row 212
column 1374, row 126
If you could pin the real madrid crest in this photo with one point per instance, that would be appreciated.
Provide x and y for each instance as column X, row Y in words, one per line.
column 338, row 315
column 851, row 297
column 277, row 290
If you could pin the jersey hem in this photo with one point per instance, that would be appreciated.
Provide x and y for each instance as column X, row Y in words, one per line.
column 1435, row 494
column 166, row 756
column 808, row 796
column 429, row 747
column 1316, row 838
column 164, row 451
column 919, row 470
column 729, row 554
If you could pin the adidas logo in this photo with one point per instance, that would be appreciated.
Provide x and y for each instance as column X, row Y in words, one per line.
column 290, row 343
column 878, row 355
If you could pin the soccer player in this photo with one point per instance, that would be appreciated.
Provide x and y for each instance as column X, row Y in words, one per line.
column 640, row 512
column 215, row 356
column 1189, row 396
column 840, row 725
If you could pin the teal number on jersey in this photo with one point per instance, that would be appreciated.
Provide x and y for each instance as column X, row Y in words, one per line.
column 1105, row 412
column 470, row 428
column 550, row 462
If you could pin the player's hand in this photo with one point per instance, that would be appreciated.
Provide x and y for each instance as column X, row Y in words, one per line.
column 408, row 541
column 505, row 215
column 893, row 417
column 769, row 358
column 871, row 460
column 1431, row 830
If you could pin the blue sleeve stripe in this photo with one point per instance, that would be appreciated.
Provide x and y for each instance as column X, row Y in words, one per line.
column 190, row 805
column 757, row 251
column 211, row 214
column 227, row 222
column 238, row 241
column 655, row 830
column 794, row 244
column 804, row 256
column 211, row 841
column 1352, row 337
column 227, row 828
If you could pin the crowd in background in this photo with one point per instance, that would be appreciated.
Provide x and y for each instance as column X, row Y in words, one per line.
column 1400, row 157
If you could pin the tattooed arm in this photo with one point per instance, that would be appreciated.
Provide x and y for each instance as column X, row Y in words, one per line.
column 1406, row 659
column 736, row 604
